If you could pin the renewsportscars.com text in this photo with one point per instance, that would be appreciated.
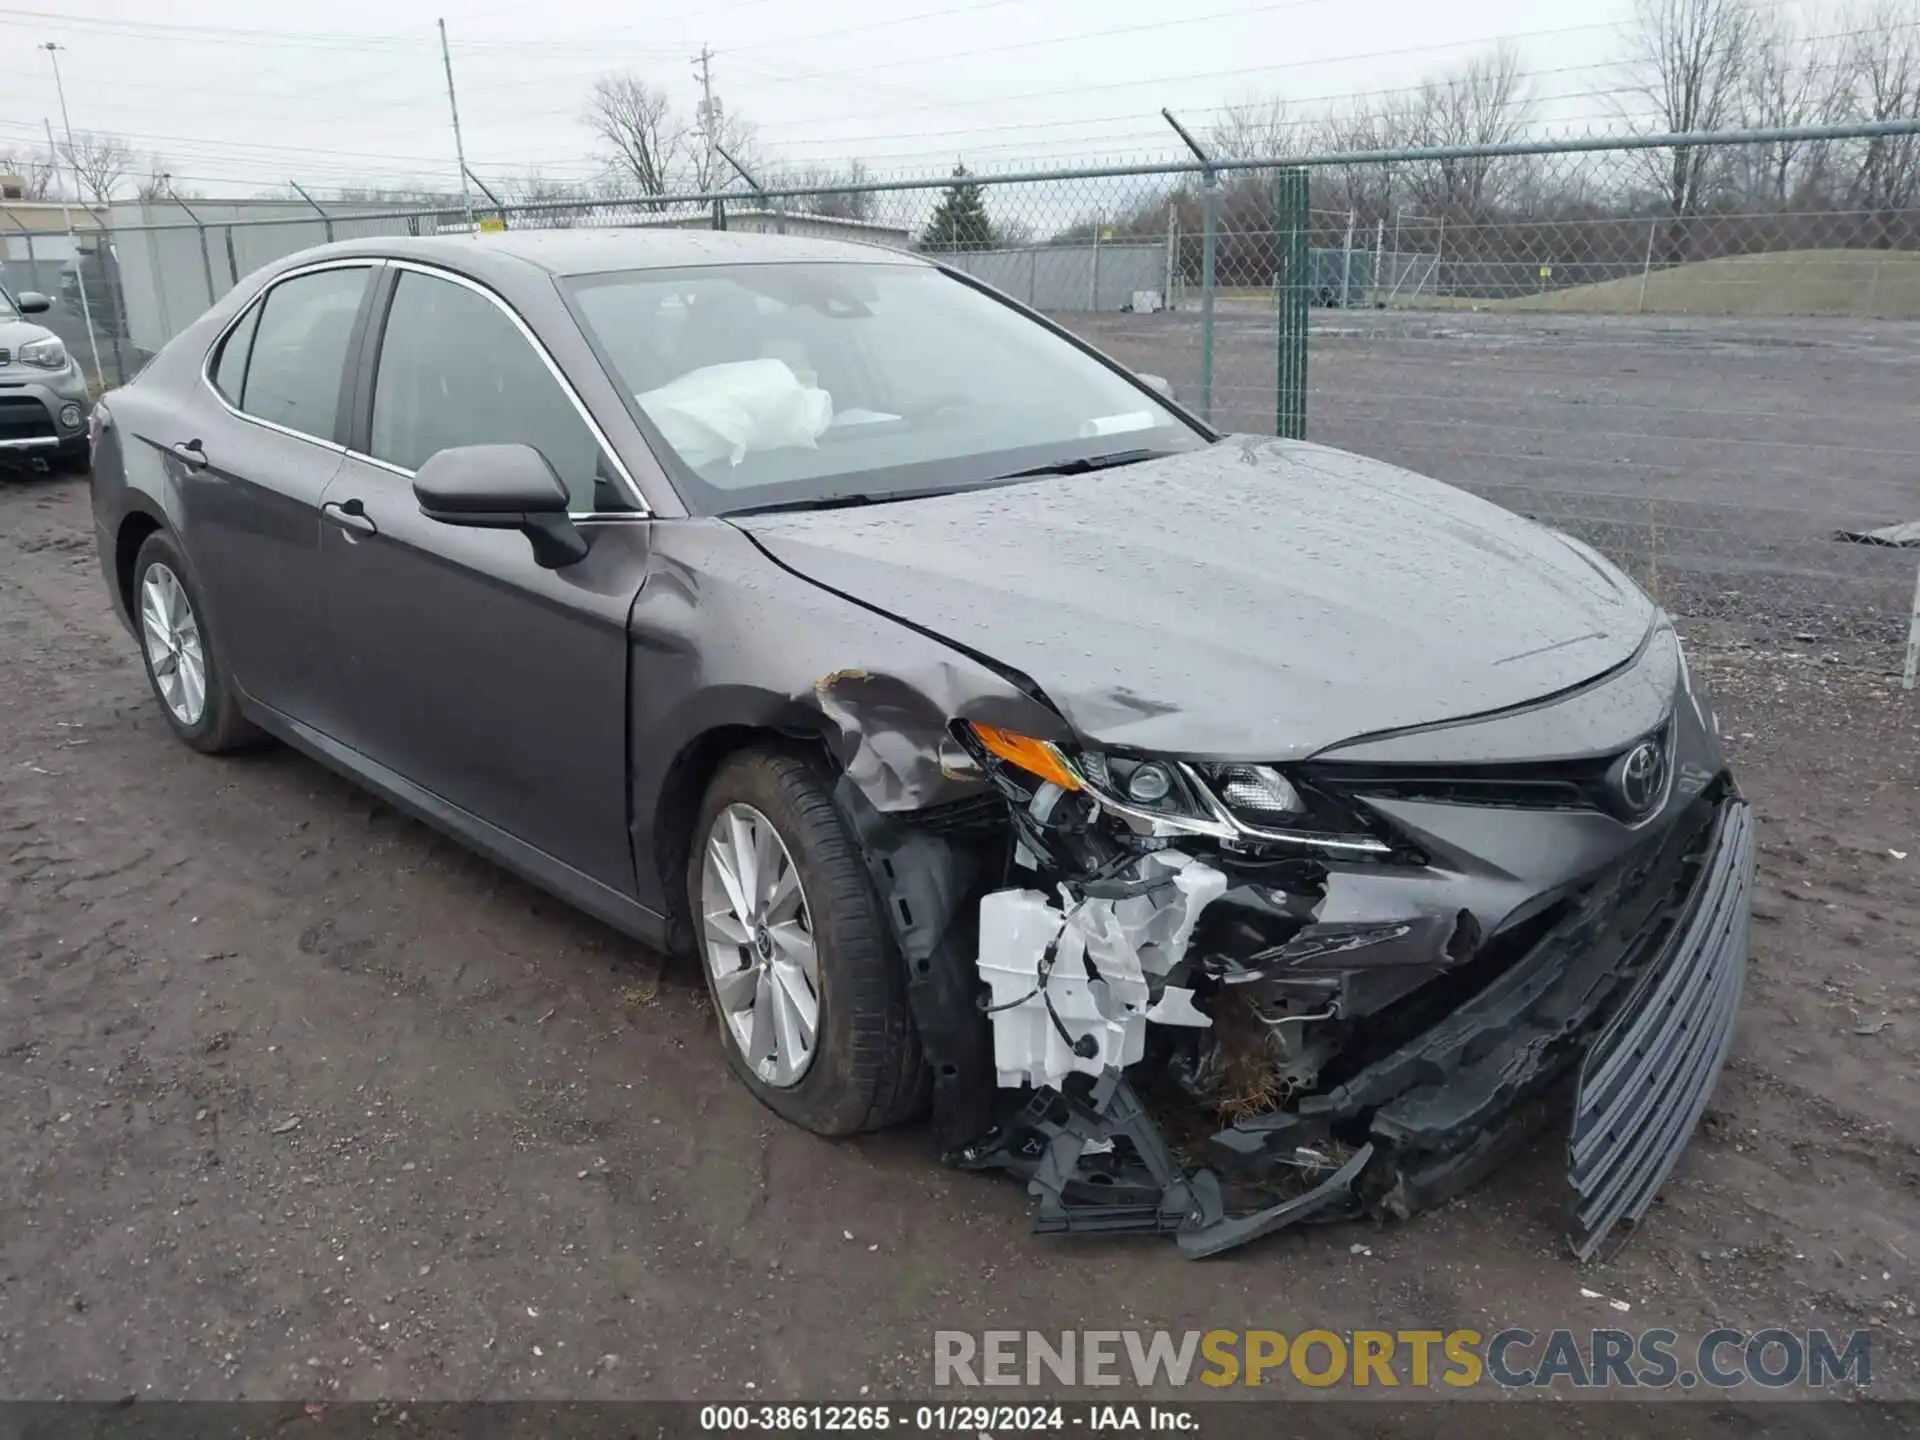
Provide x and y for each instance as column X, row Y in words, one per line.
column 1607, row 1359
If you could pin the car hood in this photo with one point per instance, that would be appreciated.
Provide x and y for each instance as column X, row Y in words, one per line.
column 1254, row 599
column 15, row 333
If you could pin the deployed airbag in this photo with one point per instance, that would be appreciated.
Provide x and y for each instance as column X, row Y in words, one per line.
column 732, row 410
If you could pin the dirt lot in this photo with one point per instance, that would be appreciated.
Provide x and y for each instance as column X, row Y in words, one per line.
column 298, row 1099
column 1714, row 457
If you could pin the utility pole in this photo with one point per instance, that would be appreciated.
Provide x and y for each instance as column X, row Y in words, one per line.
column 73, row 236
column 709, row 117
column 453, row 107
column 709, row 127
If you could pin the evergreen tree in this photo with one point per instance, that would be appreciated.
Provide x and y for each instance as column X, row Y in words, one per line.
column 960, row 220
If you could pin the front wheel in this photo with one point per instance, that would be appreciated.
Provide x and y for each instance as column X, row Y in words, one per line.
column 806, row 980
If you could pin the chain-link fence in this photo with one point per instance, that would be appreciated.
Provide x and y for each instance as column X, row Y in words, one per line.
column 1700, row 353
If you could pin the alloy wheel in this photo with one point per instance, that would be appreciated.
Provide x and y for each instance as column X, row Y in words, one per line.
column 175, row 651
column 758, row 936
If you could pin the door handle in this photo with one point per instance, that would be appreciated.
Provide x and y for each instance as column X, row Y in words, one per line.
column 189, row 453
column 350, row 515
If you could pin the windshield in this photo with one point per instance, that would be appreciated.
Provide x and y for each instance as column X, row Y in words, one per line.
column 790, row 384
column 9, row 309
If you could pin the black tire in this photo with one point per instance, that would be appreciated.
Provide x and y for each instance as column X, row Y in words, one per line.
column 867, row 1071
column 220, row 726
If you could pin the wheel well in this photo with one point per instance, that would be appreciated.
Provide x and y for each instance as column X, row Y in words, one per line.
column 686, row 784
column 134, row 531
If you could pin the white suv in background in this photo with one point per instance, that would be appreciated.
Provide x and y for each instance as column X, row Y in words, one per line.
column 43, row 396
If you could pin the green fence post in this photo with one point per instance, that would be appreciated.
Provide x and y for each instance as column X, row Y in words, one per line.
column 1290, row 224
column 1209, row 239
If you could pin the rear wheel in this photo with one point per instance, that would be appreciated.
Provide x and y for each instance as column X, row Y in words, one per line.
column 182, row 664
column 806, row 981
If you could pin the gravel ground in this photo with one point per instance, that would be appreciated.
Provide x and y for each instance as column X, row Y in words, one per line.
column 297, row 1099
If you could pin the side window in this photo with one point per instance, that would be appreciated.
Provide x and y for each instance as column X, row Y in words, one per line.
column 300, row 350
column 454, row 370
column 230, row 369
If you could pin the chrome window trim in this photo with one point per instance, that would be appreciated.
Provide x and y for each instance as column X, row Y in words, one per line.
column 644, row 510
column 358, row 262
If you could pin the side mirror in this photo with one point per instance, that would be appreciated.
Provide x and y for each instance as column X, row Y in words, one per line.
column 1159, row 384
column 502, row 487
column 32, row 302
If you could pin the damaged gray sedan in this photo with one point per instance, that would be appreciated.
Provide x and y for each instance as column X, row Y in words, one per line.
column 1216, row 833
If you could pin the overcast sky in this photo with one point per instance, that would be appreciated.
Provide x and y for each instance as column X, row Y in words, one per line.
column 238, row 96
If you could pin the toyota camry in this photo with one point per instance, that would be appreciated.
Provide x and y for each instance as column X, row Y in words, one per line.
column 1214, row 832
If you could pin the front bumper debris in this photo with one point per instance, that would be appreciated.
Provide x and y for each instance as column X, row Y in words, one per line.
column 1633, row 986
column 1646, row 1079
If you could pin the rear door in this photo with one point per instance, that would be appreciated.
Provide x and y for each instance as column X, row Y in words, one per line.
column 250, row 454
column 465, row 668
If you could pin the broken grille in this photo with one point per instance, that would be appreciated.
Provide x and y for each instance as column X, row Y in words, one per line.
column 1648, row 1076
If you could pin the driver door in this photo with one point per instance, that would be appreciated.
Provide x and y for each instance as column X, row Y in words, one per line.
column 498, row 687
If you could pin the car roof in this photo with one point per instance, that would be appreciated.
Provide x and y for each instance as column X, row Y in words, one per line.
column 586, row 252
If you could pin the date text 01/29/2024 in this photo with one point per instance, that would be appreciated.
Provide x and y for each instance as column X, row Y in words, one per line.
column 940, row 1419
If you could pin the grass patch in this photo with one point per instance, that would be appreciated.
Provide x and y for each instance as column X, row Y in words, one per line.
column 1866, row 284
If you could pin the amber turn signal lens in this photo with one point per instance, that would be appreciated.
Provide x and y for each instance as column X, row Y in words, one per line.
column 1036, row 757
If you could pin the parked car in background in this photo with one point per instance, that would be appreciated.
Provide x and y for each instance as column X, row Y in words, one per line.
column 998, row 736
column 43, row 395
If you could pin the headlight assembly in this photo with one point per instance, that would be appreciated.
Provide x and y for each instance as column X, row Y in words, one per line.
column 1236, row 803
column 47, row 354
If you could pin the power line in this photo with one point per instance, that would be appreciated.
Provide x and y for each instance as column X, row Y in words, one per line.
column 228, row 34
column 1080, row 37
column 221, row 154
column 891, row 20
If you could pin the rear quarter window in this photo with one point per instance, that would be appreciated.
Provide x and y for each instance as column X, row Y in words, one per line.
column 229, row 371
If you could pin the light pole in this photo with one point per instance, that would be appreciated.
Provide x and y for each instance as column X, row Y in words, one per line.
column 459, row 145
column 79, row 262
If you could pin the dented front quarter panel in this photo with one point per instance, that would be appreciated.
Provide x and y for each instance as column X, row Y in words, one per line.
column 722, row 638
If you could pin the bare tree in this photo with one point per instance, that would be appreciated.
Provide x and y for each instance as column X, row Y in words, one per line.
column 1686, row 60
column 101, row 161
column 158, row 184
column 1485, row 102
column 36, row 170
column 1884, row 58
column 1254, row 128
column 534, row 188
column 641, row 138
column 738, row 137
column 1369, row 189
column 839, row 203
column 1787, row 80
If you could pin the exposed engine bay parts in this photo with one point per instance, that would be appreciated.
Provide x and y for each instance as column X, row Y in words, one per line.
column 1069, row 982
column 1213, row 1001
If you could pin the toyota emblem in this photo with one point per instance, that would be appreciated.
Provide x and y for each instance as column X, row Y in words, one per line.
column 1642, row 777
